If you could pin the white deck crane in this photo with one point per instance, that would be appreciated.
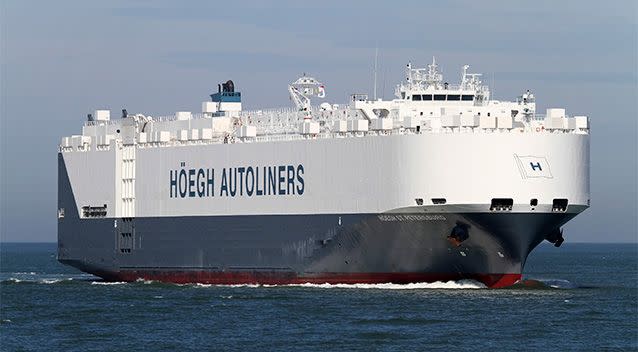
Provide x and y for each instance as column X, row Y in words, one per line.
column 303, row 89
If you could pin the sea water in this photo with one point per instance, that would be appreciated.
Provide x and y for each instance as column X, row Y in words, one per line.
column 580, row 297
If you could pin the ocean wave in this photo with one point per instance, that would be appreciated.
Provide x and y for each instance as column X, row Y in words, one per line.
column 543, row 284
column 558, row 283
column 107, row 282
column 200, row 285
column 461, row 284
column 54, row 281
column 45, row 281
column 12, row 280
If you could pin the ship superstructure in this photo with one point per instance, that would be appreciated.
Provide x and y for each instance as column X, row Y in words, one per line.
column 441, row 183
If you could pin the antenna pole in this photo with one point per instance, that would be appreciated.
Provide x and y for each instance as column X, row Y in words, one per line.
column 492, row 87
column 385, row 73
column 376, row 56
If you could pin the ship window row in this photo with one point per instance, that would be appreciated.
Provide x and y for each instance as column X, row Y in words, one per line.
column 442, row 97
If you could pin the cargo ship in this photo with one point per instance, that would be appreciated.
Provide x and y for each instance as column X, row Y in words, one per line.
column 440, row 183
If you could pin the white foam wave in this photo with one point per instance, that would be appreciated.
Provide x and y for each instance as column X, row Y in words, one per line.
column 557, row 283
column 107, row 283
column 54, row 281
column 201, row 285
column 461, row 284
column 26, row 273
column 46, row 281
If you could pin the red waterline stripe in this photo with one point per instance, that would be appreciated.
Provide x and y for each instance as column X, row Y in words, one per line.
column 287, row 278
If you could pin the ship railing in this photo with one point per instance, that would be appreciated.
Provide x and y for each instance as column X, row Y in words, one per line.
column 165, row 118
column 101, row 123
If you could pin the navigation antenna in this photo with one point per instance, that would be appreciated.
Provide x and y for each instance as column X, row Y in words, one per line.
column 433, row 77
column 304, row 88
column 376, row 59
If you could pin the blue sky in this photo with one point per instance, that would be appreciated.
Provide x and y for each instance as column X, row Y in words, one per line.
column 61, row 60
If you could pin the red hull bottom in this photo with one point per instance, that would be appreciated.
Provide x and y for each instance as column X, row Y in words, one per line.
column 287, row 278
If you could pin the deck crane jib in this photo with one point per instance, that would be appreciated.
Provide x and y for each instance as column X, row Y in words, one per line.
column 303, row 89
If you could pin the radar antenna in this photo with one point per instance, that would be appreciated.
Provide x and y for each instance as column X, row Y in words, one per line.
column 303, row 89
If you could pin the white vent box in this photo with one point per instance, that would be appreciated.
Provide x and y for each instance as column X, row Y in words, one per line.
column 504, row 122
column 183, row 115
column 469, row 121
column 194, row 135
column 228, row 106
column 248, row 131
column 79, row 141
column 309, row 127
column 163, row 136
column 555, row 113
column 102, row 115
column 182, row 135
column 65, row 142
column 382, row 124
column 357, row 125
column 209, row 107
column 450, row 121
column 340, row 126
column 581, row 122
column 554, row 123
column 488, row 122
column 222, row 124
column 411, row 121
column 449, row 111
column 501, row 113
column 207, row 133
column 141, row 138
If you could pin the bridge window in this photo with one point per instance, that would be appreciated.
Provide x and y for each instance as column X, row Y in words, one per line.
column 427, row 96
column 453, row 97
column 467, row 97
column 439, row 97
column 416, row 97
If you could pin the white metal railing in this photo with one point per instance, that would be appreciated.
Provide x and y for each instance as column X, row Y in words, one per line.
column 293, row 136
column 101, row 123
